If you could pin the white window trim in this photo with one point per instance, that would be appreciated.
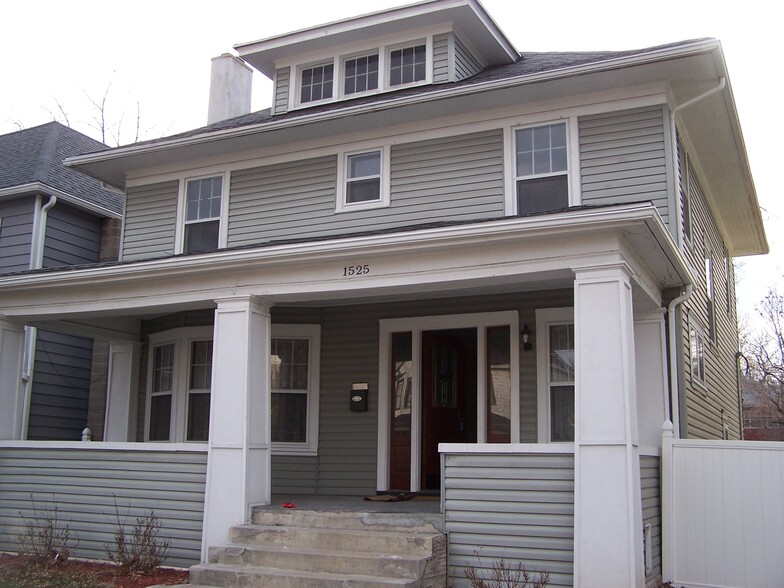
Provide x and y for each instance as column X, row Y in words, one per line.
column 313, row 334
column 384, row 201
column 223, row 231
column 545, row 317
column 428, row 43
column 572, row 161
column 687, row 205
column 694, row 325
column 416, row 325
column 381, row 68
column 336, row 79
column 181, row 339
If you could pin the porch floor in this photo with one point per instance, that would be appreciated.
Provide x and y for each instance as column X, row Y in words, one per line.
column 426, row 505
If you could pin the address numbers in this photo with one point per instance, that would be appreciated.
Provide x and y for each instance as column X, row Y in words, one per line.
column 355, row 270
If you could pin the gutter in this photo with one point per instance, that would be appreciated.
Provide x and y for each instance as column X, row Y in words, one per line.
column 673, row 411
column 271, row 125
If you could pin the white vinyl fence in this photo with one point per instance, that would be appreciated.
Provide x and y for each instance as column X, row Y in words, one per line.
column 723, row 511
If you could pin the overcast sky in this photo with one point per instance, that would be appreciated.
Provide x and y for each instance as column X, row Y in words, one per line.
column 158, row 54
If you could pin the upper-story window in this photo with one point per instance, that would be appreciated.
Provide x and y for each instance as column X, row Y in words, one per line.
column 360, row 74
column 316, row 82
column 203, row 206
column 541, row 168
column 363, row 180
column 408, row 65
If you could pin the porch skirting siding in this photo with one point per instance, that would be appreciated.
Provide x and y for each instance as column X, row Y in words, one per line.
column 651, row 513
column 516, row 507
column 84, row 483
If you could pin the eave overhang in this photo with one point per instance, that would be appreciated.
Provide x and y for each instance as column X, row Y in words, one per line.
column 527, row 244
column 467, row 15
column 686, row 70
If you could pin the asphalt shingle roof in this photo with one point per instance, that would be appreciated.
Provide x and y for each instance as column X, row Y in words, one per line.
column 37, row 154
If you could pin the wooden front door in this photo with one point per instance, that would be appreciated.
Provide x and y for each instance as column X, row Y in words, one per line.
column 443, row 402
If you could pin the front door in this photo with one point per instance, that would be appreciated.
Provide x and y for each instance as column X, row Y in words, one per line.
column 448, row 409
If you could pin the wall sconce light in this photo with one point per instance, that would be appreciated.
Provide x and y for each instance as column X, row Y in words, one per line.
column 527, row 345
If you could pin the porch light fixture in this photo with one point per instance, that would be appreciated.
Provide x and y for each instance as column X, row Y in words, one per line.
column 526, row 334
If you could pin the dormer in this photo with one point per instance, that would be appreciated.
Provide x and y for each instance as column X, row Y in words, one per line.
column 432, row 42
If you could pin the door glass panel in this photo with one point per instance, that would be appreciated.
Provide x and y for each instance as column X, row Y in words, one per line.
column 401, row 383
column 499, row 385
column 445, row 377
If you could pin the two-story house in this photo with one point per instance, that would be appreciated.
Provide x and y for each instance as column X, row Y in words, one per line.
column 53, row 216
column 435, row 265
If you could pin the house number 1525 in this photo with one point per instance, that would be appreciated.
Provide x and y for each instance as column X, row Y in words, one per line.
column 355, row 270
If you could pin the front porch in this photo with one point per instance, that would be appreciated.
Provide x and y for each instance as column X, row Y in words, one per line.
column 547, row 343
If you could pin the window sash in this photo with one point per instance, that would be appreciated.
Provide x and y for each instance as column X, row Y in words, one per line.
column 316, row 83
column 363, row 176
column 290, row 363
column 360, row 74
column 408, row 65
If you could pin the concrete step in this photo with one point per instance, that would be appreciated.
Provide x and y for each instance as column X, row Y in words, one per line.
column 228, row 576
column 321, row 560
column 358, row 521
column 346, row 540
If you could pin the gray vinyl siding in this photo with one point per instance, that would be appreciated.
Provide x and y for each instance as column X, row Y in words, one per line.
column 16, row 231
column 73, row 237
column 455, row 178
column 60, row 387
column 623, row 158
column 709, row 408
column 466, row 64
column 441, row 58
column 84, row 485
column 515, row 507
column 282, row 79
column 294, row 474
column 150, row 221
column 651, row 509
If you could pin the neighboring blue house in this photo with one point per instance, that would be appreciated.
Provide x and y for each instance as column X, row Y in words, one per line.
column 53, row 216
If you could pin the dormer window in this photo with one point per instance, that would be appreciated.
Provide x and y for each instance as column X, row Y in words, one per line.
column 316, row 82
column 408, row 65
column 360, row 74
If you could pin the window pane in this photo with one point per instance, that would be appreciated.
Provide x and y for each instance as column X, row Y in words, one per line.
column 542, row 194
column 201, row 365
column 316, row 83
column 363, row 190
column 160, row 417
column 201, row 236
column 364, row 165
column 562, row 411
column 289, row 364
column 407, row 65
column 163, row 368
column 198, row 416
column 402, row 378
column 289, row 417
column 499, row 385
column 562, row 353
column 203, row 198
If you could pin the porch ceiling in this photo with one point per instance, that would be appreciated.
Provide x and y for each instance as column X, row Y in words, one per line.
column 514, row 254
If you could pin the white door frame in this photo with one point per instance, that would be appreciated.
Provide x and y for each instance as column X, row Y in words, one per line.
column 416, row 325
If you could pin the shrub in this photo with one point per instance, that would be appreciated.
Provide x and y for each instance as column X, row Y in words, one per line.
column 45, row 537
column 506, row 575
column 140, row 550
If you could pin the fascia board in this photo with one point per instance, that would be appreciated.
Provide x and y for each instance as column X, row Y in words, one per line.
column 304, row 119
column 572, row 222
column 41, row 188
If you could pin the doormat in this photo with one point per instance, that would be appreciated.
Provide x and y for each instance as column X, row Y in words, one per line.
column 392, row 497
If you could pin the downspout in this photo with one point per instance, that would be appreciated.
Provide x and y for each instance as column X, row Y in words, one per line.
column 674, row 134
column 36, row 261
column 673, row 411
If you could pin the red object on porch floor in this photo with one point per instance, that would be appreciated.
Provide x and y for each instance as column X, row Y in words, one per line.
column 289, row 505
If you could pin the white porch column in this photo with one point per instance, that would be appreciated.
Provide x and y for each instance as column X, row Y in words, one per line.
column 121, row 392
column 652, row 386
column 608, row 547
column 12, row 401
column 238, row 466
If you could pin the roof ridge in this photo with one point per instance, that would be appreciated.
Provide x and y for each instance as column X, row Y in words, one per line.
column 43, row 165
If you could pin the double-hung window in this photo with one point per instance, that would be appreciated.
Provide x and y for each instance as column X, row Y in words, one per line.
column 294, row 376
column 541, row 168
column 710, row 292
column 179, row 384
column 556, row 374
column 360, row 74
column 363, row 180
column 408, row 65
column 316, row 82
column 697, row 353
column 202, row 219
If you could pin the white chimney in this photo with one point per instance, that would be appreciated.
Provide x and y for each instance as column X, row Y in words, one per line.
column 230, row 88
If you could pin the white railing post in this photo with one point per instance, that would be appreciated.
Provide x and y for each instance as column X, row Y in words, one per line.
column 668, row 546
